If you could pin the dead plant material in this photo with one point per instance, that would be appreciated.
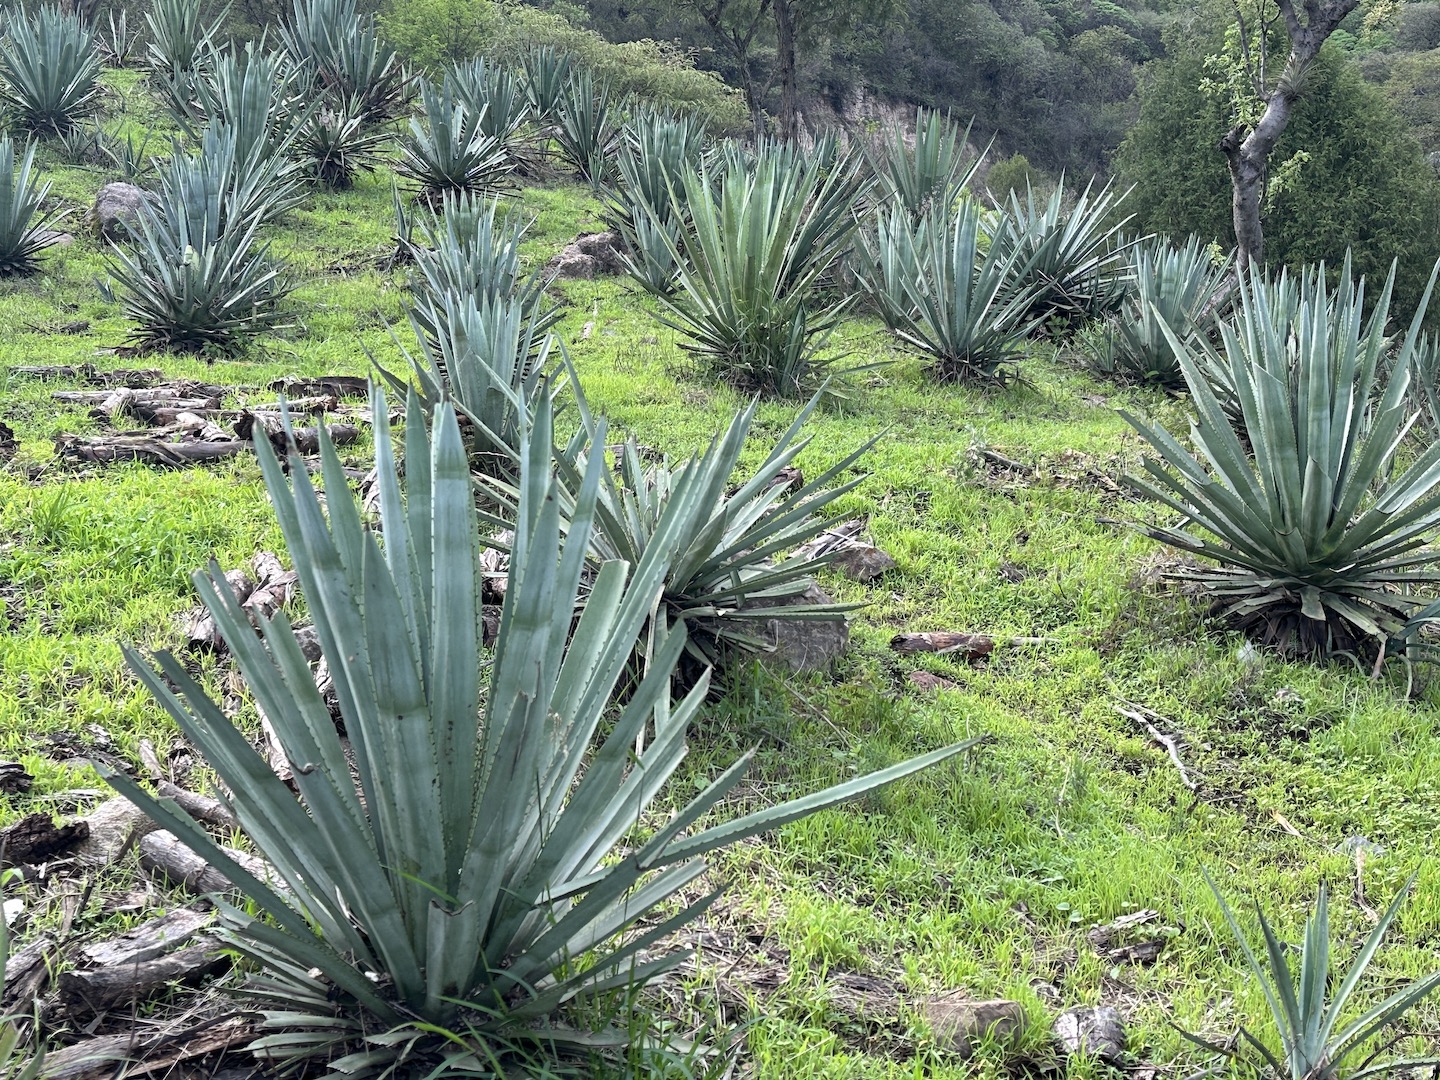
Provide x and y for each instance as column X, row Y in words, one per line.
column 340, row 386
column 1143, row 716
column 90, row 375
column 149, row 940
column 162, row 853
column 972, row 647
column 142, row 1052
column 205, row 809
column 36, row 839
column 8, row 443
column 928, row 682
column 27, row 974
column 14, row 780
column 101, row 989
column 849, row 554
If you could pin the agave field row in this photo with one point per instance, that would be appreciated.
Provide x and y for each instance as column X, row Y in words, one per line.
column 495, row 844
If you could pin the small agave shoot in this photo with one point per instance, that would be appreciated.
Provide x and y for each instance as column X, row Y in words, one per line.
column 24, row 230
column 1317, row 1042
column 939, row 291
column 1170, row 288
column 760, row 239
column 450, row 154
column 463, row 863
column 930, row 173
column 1315, row 536
column 51, row 70
column 1072, row 259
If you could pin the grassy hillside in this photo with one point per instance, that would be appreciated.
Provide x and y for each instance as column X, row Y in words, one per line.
column 984, row 878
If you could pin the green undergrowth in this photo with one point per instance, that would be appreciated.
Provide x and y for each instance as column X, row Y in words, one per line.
column 1002, row 510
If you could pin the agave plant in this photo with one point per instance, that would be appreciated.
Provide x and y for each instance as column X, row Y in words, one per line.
column 547, row 74
column 588, row 127
column 471, row 250
column 1318, row 535
column 197, row 277
column 255, row 93
column 180, row 40
column 658, row 152
column 334, row 144
column 1072, row 259
column 461, row 863
column 450, row 154
column 1314, row 1043
column 939, row 291
column 346, row 59
column 120, row 44
column 23, row 234
column 253, row 186
column 494, row 93
column 757, row 243
column 128, row 157
column 490, row 358
column 1175, row 288
column 51, row 70
column 1425, row 384
column 932, row 172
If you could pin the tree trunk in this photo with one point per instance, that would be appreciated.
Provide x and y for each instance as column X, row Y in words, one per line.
column 785, row 65
column 1247, row 150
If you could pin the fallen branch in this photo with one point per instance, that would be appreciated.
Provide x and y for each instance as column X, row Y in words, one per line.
column 162, row 853
column 1167, row 741
column 146, row 1052
column 149, row 940
column 205, row 809
column 330, row 385
column 90, row 374
column 973, row 646
column 104, row 988
column 36, row 839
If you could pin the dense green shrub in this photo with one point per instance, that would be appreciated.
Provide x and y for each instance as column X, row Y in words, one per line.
column 433, row 33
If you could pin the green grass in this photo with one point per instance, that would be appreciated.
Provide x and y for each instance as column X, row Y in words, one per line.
column 982, row 877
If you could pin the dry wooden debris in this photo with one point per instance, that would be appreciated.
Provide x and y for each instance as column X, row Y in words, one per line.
column 162, row 853
column 14, row 780
column 205, row 809
column 848, row 553
column 27, row 973
column 91, row 375
column 344, row 386
column 100, row 989
column 971, row 646
column 928, row 681
column 147, row 1052
column 8, row 443
column 1143, row 716
column 36, row 839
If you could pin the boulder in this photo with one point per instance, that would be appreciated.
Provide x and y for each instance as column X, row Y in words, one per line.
column 117, row 209
column 587, row 255
column 805, row 644
column 960, row 1025
column 1092, row 1031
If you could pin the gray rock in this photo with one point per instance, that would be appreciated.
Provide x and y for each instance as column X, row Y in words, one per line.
column 862, row 562
column 1092, row 1031
column 960, row 1025
column 805, row 644
column 117, row 209
column 587, row 255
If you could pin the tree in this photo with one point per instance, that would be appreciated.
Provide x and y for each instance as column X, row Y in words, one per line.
column 1354, row 177
column 1250, row 141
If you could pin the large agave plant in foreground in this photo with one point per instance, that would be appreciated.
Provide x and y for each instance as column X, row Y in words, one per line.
column 464, row 861
column 1317, row 534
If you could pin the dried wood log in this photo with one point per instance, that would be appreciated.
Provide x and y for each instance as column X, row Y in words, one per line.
column 14, row 780
column 147, row 1052
column 103, row 988
column 333, row 385
column 149, row 760
column 275, row 587
column 205, row 809
column 112, row 828
column 307, row 439
column 972, row 646
column 107, row 450
column 201, row 633
column 37, row 839
column 151, row 411
column 27, row 973
column 162, row 853
column 88, row 373
column 8, row 443
column 149, row 940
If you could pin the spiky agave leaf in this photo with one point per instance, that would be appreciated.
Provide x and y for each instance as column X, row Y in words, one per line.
column 1313, row 1043
column 180, row 41
column 493, row 92
column 1071, row 258
column 1174, row 287
column 455, row 860
column 588, row 126
column 343, row 56
column 1318, row 541
column 196, row 279
column 24, row 230
column 450, row 154
column 937, row 289
column 335, row 144
column 758, row 241
column 51, row 70
column 547, row 73
column 928, row 171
